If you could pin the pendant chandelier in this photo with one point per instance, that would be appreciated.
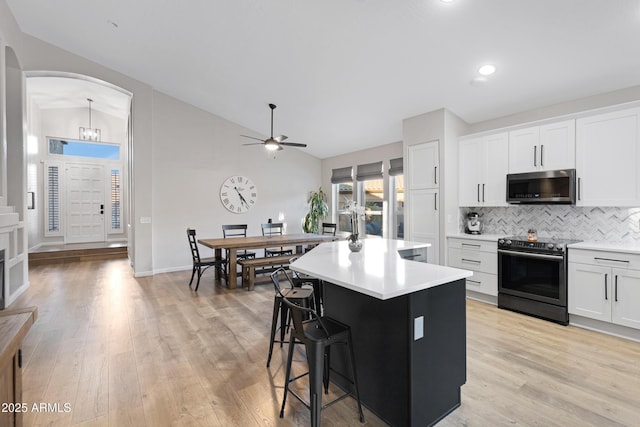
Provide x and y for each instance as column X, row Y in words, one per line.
column 89, row 134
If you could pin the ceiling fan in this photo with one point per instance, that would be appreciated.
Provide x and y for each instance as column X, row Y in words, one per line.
column 272, row 143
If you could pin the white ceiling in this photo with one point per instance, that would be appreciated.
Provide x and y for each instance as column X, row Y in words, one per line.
column 66, row 92
column 345, row 73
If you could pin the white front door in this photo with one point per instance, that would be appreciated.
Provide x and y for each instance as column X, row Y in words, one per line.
column 85, row 203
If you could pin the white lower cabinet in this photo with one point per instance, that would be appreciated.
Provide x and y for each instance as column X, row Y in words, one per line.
column 602, row 286
column 479, row 256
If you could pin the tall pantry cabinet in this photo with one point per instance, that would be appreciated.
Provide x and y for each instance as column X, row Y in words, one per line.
column 423, row 183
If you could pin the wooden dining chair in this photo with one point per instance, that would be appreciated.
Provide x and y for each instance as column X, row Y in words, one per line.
column 274, row 229
column 236, row 230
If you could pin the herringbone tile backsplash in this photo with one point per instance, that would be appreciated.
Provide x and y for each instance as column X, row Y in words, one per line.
column 567, row 222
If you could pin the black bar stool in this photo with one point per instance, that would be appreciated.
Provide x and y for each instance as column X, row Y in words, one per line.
column 318, row 335
column 297, row 295
column 300, row 280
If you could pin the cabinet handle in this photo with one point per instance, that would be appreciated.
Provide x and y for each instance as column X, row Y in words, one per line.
column 471, row 260
column 541, row 155
column 474, row 281
column 471, row 245
column 435, row 201
column 596, row 258
column 435, row 174
column 615, row 295
column 483, row 192
column 579, row 188
column 478, row 192
column 606, row 295
column 535, row 155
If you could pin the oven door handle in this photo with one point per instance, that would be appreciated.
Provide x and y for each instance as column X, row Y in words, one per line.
column 531, row 255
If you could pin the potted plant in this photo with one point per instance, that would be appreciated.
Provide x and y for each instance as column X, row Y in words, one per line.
column 318, row 210
column 356, row 212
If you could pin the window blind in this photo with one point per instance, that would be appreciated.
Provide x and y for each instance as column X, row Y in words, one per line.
column 116, row 197
column 395, row 167
column 369, row 171
column 53, row 199
column 341, row 175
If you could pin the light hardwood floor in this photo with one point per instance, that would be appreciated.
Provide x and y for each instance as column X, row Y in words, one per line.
column 151, row 352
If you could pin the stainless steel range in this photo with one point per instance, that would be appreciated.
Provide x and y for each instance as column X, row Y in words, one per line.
column 532, row 277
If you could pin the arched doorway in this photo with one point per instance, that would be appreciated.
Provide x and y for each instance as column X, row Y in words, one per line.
column 79, row 184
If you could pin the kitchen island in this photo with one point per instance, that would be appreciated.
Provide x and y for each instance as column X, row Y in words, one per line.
column 408, row 321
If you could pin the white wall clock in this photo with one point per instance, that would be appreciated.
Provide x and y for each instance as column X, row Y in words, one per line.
column 238, row 194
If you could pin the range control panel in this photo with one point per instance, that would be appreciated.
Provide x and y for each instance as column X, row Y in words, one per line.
column 524, row 245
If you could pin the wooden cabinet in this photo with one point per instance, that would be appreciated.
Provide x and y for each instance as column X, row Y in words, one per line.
column 604, row 286
column 14, row 325
column 479, row 256
column 424, row 196
column 483, row 167
column 547, row 147
column 608, row 159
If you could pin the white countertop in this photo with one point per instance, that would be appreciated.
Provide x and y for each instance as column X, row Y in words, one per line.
column 377, row 270
column 487, row 237
column 626, row 247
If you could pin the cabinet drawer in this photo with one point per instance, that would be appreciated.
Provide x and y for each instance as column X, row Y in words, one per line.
column 485, row 262
column 473, row 244
column 605, row 258
column 483, row 283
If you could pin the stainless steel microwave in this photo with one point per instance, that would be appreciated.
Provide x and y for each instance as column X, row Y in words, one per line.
column 545, row 187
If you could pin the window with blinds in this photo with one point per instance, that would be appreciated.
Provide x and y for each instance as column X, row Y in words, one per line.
column 371, row 196
column 342, row 183
column 116, row 200
column 396, row 197
column 52, row 214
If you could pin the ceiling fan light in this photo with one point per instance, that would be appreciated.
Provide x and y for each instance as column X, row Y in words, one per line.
column 271, row 145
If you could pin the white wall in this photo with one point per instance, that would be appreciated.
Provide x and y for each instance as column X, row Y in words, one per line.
column 193, row 153
column 621, row 96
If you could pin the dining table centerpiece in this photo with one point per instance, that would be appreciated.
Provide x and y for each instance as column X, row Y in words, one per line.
column 356, row 212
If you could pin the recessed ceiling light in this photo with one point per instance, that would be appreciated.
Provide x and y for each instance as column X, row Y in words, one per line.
column 487, row 70
column 446, row 1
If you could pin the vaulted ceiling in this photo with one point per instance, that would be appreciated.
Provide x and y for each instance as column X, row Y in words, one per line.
column 345, row 73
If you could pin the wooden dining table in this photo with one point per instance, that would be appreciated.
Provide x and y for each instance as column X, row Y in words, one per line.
column 235, row 244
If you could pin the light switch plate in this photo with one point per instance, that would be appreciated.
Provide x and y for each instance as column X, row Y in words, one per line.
column 418, row 328
column 145, row 220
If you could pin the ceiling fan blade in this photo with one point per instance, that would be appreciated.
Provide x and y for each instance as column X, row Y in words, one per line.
column 281, row 138
column 254, row 143
column 293, row 144
column 253, row 137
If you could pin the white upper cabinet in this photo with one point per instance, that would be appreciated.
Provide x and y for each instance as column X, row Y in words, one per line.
column 424, row 165
column 546, row 147
column 608, row 159
column 484, row 163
